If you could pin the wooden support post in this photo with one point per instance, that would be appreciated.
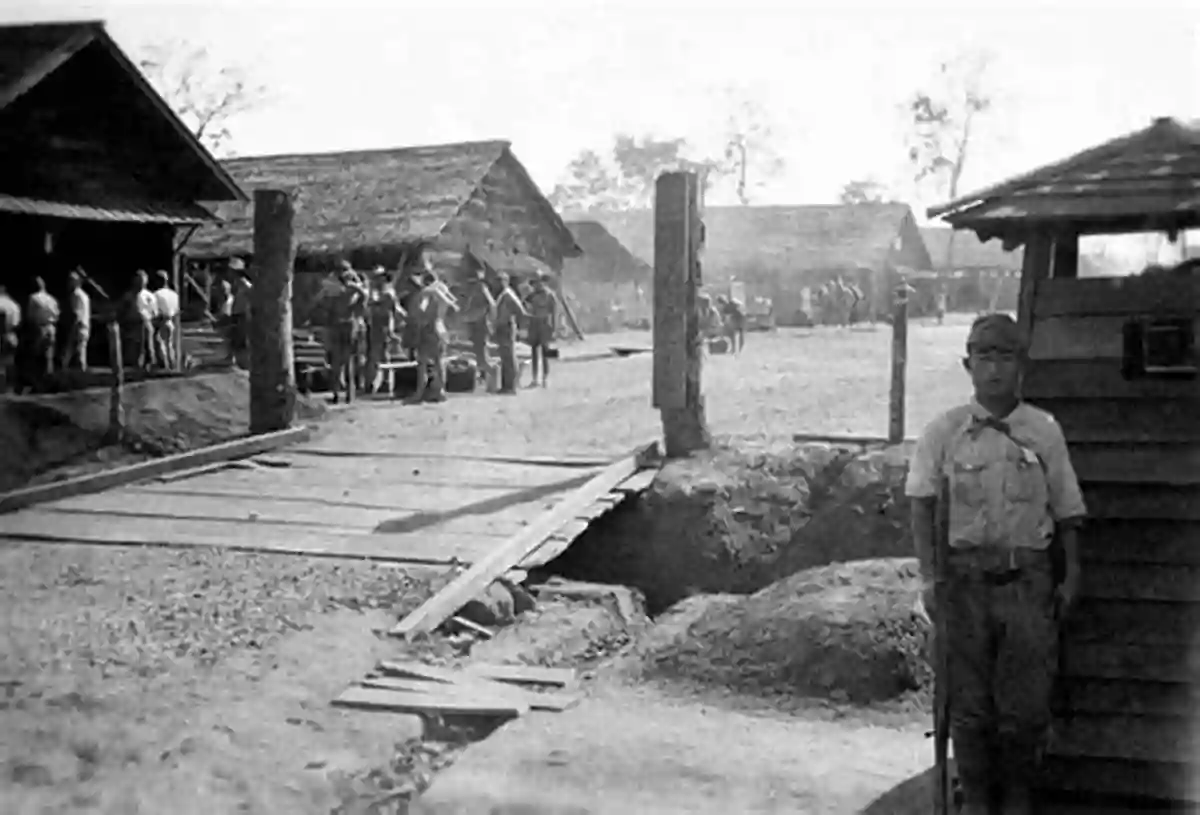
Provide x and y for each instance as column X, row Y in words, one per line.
column 899, row 364
column 116, row 407
column 177, row 333
column 272, row 373
column 1066, row 256
column 677, row 338
column 1035, row 267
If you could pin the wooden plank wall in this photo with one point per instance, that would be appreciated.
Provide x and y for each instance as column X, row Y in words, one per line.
column 1132, row 650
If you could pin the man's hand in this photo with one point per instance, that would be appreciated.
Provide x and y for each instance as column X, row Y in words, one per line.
column 1065, row 594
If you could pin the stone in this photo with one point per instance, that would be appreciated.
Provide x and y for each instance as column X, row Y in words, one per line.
column 495, row 607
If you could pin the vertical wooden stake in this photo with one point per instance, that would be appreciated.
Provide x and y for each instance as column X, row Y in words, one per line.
column 899, row 363
column 177, row 333
column 272, row 372
column 116, row 407
column 678, row 235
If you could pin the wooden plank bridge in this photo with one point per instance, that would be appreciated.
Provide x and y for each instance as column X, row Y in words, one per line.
column 432, row 506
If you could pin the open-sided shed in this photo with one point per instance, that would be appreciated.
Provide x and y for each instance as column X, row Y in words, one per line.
column 1114, row 359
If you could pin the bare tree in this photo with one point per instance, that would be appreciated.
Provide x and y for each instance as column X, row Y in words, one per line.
column 750, row 154
column 207, row 97
column 943, row 122
column 864, row 191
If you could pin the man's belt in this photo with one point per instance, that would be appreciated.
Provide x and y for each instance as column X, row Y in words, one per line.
column 994, row 565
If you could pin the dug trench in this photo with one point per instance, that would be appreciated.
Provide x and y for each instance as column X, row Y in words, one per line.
column 771, row 578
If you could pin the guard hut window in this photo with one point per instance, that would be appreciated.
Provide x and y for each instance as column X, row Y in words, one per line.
column 1160, row 348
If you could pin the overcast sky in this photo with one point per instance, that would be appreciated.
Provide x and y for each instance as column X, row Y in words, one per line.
column 555, row 76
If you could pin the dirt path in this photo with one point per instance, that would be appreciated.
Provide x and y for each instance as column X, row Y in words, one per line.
column 631, row 750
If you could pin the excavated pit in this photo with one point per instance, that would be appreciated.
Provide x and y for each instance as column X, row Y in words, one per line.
column 795, row 562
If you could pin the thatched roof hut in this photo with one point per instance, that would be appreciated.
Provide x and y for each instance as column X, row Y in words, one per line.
column 779, row 250
column 366, row 206
column 745, row 242
column 605, row 259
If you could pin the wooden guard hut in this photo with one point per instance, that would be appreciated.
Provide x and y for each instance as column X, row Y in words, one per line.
column 1114, row 359
column 95, row 169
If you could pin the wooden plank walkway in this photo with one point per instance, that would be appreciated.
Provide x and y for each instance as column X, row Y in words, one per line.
column 434, row 506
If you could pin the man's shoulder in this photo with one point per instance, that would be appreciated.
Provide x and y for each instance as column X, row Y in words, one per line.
column 1034, row 423
column 948, row 422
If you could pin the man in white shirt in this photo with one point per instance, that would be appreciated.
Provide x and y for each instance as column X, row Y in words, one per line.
column 167, row 300
column 79, row 328
column 145, row 309
column 43, row 314
column 10, row 326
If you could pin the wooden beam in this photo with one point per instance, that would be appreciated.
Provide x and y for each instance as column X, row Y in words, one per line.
column 1035, row 268
column 451, row 703
column 434, row 611
column 553, row 702
column 1142, row 295
column 513, row 674
column 1065, row 264
column 226, row 451
column 678, row 341
column 272, row 372
column 899, row 363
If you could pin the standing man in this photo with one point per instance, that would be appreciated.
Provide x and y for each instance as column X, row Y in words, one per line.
column 543, row 320
column 432, row 304
column 383, row 312
column 164, row 321
column 79, row 327
column 735, row 324
column 508, row 309
column 1012, row 570
column 240, row 311
column 144, row 307
column 42, row 313
column 343, row 332
column 478, row 311
column 10, row 328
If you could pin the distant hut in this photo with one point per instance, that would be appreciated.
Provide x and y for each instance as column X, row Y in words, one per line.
column 96, row 171
column 1114, row 359
column 611, row 287
column 369, row 207
column 974, row 275
column 780, row 251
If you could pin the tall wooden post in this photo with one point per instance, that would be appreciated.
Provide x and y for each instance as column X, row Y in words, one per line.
column 116, row 407
column 677, row 338
column 177, row 334
column 899, row 363
column 272, row 372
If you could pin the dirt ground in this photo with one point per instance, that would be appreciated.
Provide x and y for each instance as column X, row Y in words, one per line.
column 155, row 681
column 54, row 436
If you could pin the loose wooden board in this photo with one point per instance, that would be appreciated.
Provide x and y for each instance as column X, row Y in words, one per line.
column 97, row 482
column 451, row 702
column 343, row 520
column 472, row 582
column 550, row 702
column 438, row 498
column 341, row 451
column 435, row 470
column 399, row 480
column 423, row 547
column 513, row 674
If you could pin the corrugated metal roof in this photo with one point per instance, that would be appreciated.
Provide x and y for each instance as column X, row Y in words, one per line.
column 157, row 213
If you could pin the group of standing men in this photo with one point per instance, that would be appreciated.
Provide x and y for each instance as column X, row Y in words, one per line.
column 43, row 337
column 722, row 317
column 361, row 318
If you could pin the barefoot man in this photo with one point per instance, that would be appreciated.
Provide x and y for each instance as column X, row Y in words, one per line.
column 1012, row 570
column 509, row 309
column 432, row 304
column 478, row 310
column 543, row 319
column 343, row 331
column 384, row 313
